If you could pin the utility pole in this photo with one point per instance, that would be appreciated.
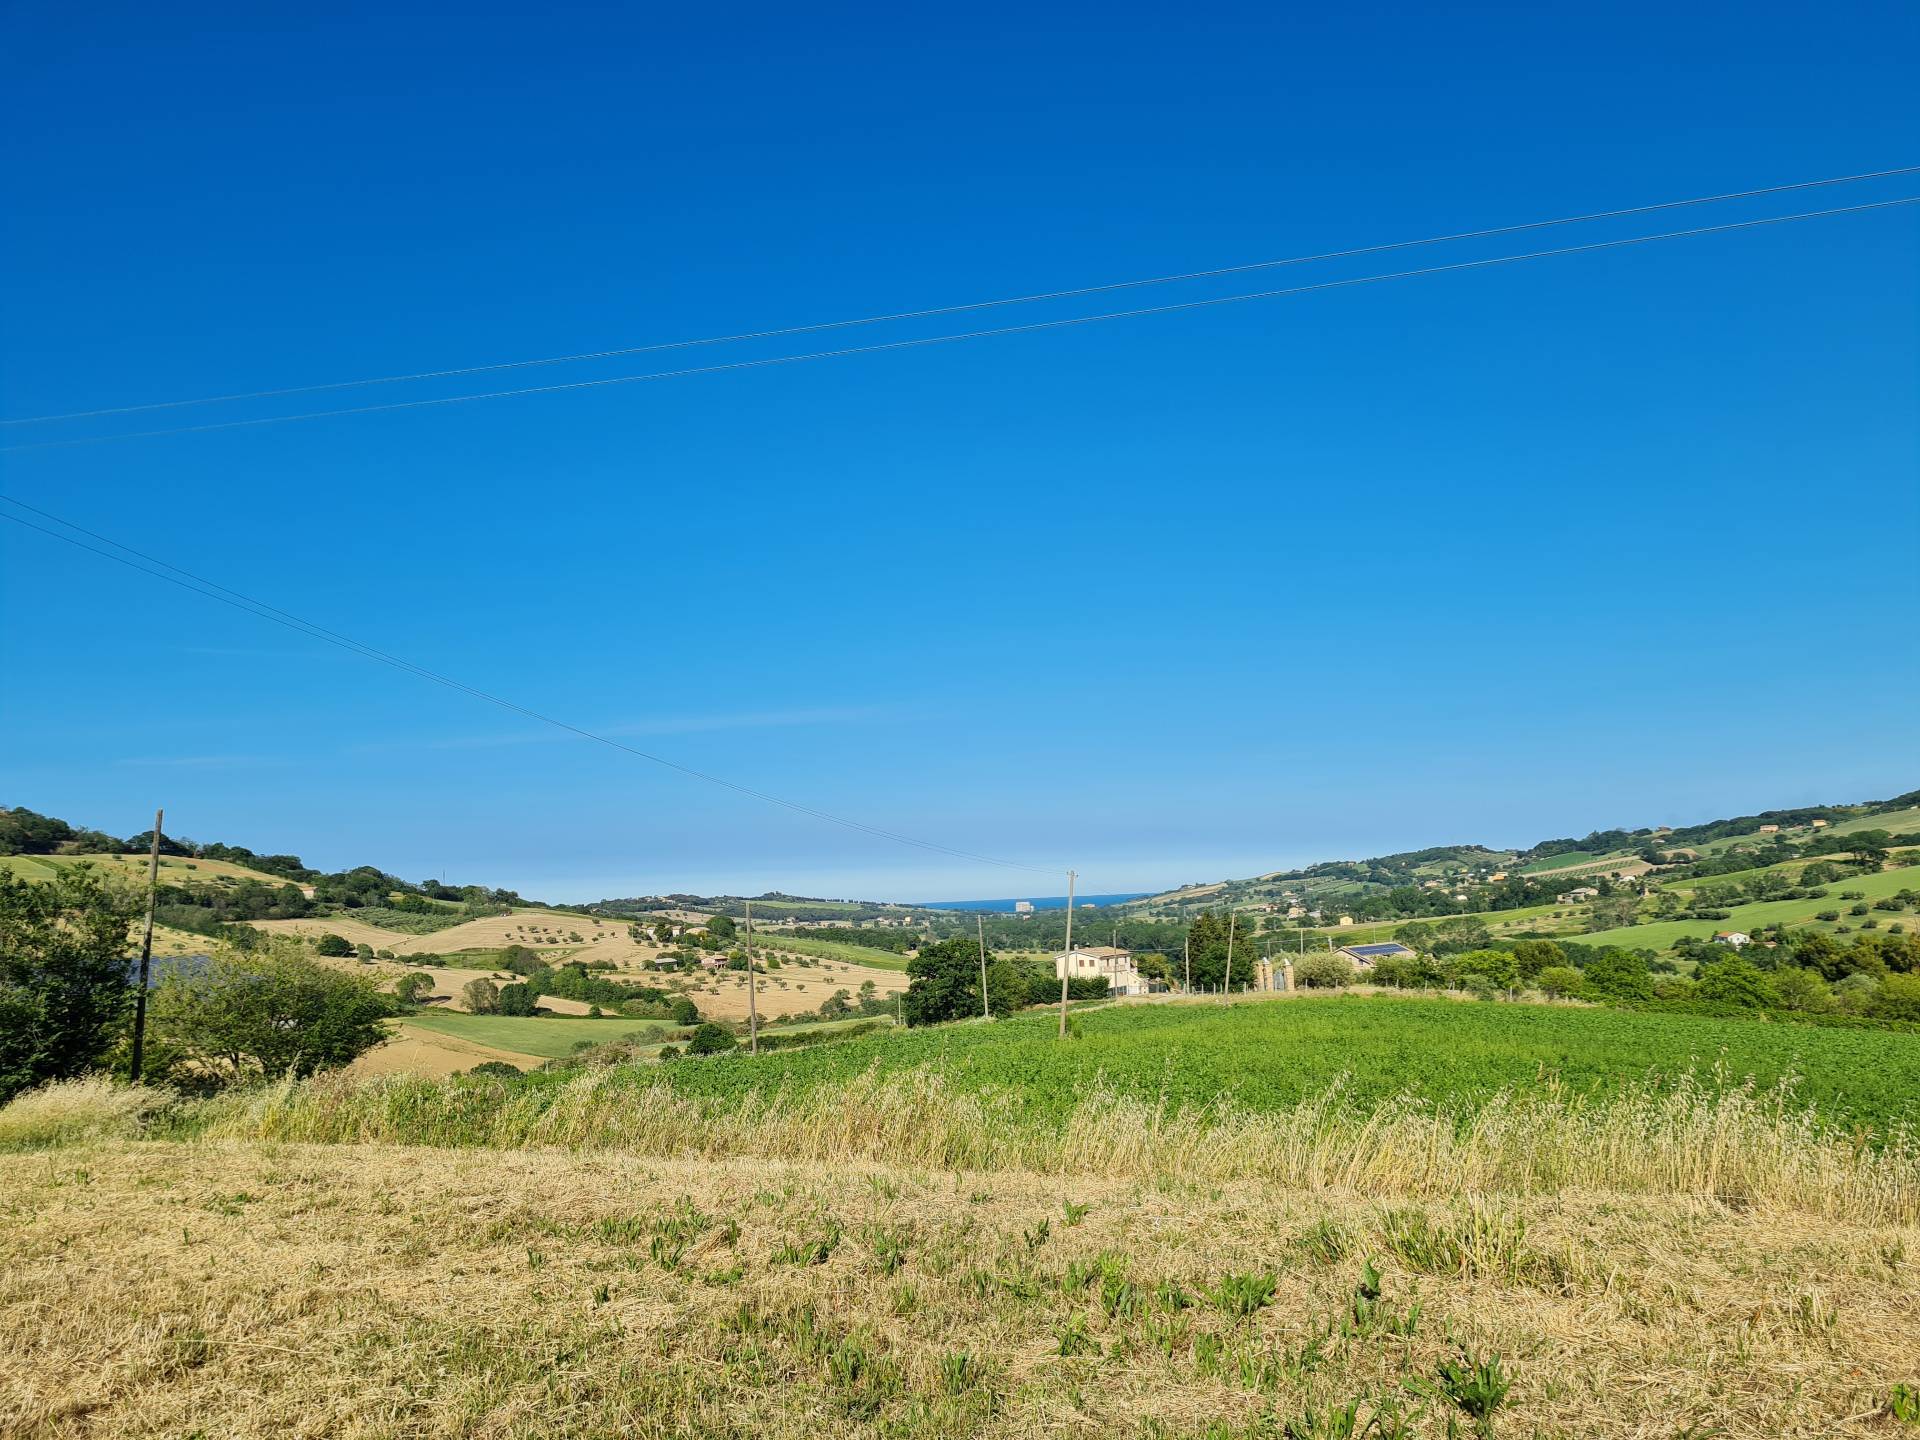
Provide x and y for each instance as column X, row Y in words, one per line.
column 1186, row 960
column 146, row 950
column 980, row 924
column 753, row 1011
column 1233, row 920
column 1066, row 960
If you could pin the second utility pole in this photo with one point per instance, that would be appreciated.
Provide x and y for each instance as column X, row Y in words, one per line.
column 1066, row 960
column 980, row 924
column 146, row 951
column 753, row 1015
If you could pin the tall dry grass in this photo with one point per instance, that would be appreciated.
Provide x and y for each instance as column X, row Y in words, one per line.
column 1727, row 1143
column 69, row 1111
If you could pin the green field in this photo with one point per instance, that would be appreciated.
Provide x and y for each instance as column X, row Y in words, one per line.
column 1661, row 934
column 549, row 1037
column 845, row 950
column 1270, row 1055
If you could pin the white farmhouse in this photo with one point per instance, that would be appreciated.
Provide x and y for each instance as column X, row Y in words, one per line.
column 1101, row 962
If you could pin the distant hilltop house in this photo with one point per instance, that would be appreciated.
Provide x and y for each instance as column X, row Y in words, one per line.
column 1821, row 824
column 1769, row 829
column 1101, row 962
column 1344, row 920
column 1496, row 877
column 1577, row 894
column 667, row 962
column 1023, row 907
column 1735, row 938
column 1365, row 957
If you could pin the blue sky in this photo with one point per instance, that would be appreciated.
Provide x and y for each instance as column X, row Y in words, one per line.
column 1617, row 538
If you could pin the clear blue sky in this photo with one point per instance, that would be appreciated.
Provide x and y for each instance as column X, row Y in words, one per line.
column 1619, row 538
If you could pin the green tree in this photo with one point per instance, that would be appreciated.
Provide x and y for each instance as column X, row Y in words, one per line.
column 269, row 1011
column 482, row 996
column 685, row 1012
column 1617, row 974
column 1733, row 981
column 408, row 989
column 1802, row 990
column 65, row 982
column 943, row 982
column 516, row 1000
column 1207, row 939
column 1006, row 988
column 1898, row 999
column 721, row 927
column 332, row 945
column 1530, row 957
column 711, row 1039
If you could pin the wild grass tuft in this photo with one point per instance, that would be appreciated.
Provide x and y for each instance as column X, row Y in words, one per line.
column 69, row 1111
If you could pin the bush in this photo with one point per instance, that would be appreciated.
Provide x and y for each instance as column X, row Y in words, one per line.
column 515, row 1000
column 482, row 996
column 684, row 1011
column 1324, row 971
column 1560, row 981
column 64, row 981
column 409, row 988
column 498, row 1069
column 332, row 945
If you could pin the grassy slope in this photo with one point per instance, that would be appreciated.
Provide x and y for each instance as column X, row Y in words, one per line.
column 845, row 950
column 545, row 1036
column 174, row 870
column 1661, row 934
column 1271, row 1054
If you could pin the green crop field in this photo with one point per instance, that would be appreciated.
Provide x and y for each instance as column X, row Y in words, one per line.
column 1269, row 1055
column 546, row 1036
column 1570, row 859
column 834, row 950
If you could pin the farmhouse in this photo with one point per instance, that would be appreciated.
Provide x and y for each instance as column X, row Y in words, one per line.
column 1106, row 962
column 1769, row 829
column 1365, row 957
column 1821, row 824
column 1578, row 893
column 1735, row 938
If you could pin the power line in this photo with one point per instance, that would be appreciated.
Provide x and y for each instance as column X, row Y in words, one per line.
column 784, row 331
column 928, row 340
column 186, row 580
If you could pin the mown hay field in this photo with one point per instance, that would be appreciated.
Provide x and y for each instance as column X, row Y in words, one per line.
column 155, row 1289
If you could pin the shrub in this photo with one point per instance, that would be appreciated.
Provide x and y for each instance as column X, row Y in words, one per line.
column 1325, row 971
column 515, row 1000
column 482, row 996
column 1560, row 981
column 684, row 1011
column 499, row 1069
column 332, row 945
column 64, row 982
column 408, row 989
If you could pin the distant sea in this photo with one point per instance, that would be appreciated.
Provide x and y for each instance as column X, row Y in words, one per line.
column 1039, row 902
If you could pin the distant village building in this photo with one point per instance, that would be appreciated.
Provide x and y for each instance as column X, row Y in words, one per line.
column 1345, row 920
column 1821, row 824
column 1103, row 962
column 1577, row 894
column 1023, row 907
column 1496, row 877
column 1365, row 957
column 1769, row 829
column 1735, row 938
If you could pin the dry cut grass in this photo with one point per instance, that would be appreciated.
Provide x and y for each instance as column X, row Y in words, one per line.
column 278, row 1290
column 1732, row 1146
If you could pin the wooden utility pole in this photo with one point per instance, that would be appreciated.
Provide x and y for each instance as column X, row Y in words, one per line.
column 1186, row 960
column 980, row 925
column 753, row 1012
column 1233, row 920
column 1066, row 960
column 146, row 950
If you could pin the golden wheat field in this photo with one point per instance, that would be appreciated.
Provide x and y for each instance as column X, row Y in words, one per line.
column 243, row 1289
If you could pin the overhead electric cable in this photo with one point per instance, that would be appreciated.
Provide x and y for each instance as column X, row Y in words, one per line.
column 173, row 574
column 930, row 312
column 1027, row 328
